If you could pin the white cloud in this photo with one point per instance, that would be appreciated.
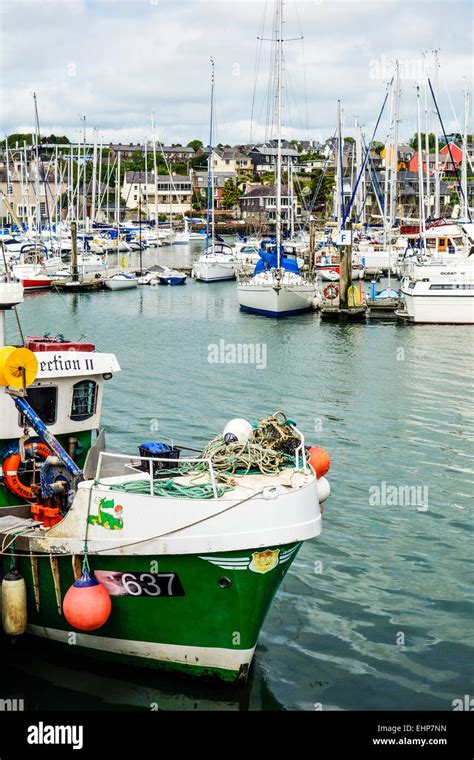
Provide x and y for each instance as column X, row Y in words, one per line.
column 116, row 61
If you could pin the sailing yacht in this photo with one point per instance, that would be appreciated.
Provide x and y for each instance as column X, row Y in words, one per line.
column 276, row 287
column 218, row 261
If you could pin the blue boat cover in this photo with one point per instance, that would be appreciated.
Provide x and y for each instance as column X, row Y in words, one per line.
column 269, row 260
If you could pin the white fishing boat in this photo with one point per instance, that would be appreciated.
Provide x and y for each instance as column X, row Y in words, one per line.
column 120, row 281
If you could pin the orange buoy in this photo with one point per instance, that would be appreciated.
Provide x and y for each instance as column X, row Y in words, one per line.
column 319, row 460
column 87, row 604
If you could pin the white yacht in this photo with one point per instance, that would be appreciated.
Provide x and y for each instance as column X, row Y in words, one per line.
column 217, row 263
column 440, row 293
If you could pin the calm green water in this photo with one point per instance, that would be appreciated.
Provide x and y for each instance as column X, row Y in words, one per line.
column 376, row 613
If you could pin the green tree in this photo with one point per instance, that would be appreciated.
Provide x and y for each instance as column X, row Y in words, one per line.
column 431, row 142
column 194, row 144
column 180, row 168
column 197, row 201
column 377, row 147
column 230, row 194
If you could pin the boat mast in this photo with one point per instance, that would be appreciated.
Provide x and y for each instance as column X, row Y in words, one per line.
column 427, row 142
column 99, row 180
column 465, row 205
column 84, row 207
column 155, row 172
column 94, row 172
column 279, row 11
column 37, row 180
column 117, row 196
column 8, row 175
column 394, row 171
column 210, row 171
column 436, row 131
column 388, row 169
column 420, row 172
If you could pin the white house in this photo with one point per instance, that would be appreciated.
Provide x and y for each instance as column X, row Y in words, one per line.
column 173, row 193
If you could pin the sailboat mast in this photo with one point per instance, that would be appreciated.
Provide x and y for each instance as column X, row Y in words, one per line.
column 465, row 206
column 94, row 172
column 37, row 179
column 210, row 171
column 279, row 105
column 155, row 173
column 394, row 171
column 436, row 131
column 420, row 171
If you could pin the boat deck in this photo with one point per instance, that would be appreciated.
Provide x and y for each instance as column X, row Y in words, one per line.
column 241, row 486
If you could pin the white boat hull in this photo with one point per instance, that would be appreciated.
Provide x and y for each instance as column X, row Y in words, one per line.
column 266, row 300
column 214, row 271
column 112, row 284
column 440, row 309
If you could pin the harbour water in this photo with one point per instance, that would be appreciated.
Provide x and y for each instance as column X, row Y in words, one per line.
column 376, row 612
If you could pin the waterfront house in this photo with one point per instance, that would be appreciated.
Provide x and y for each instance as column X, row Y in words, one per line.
column 258, row 204
column 263, row 157
column 173, row 193
column 230, row 159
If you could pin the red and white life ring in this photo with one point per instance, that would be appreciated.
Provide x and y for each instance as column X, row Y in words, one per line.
column 11, row 466
column 331, row 291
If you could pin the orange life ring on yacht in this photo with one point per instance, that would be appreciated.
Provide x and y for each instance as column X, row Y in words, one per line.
column 11, row 466
column 331, row 292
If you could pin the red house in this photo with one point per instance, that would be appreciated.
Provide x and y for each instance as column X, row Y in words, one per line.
column 446, row 163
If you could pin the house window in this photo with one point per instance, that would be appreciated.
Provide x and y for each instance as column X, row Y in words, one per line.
column 84, row 400
column 43, row 399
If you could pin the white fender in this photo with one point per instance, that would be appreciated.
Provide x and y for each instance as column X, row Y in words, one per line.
column 13, row 604
column 324, row 489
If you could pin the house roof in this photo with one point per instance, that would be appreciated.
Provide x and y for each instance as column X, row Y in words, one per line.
column 266, row 150
column 264, row 191
column 231, row 154
column 134, row 178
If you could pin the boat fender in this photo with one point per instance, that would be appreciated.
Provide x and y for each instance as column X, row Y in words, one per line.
column 237, row 431
column 324, row 489
column 14, row 616
column 87, row 604
column 331, row 292
column 319, row 460
column 11, row 465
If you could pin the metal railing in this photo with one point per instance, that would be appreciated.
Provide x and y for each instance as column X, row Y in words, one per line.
column 130, row 464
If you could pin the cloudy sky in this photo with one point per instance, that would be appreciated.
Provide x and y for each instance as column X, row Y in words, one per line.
column 116, row 61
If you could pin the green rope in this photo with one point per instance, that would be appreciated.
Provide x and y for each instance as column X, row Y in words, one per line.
column 171, row 488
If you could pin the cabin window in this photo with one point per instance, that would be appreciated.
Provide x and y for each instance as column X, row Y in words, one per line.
column 44, row 400
column 84, row 400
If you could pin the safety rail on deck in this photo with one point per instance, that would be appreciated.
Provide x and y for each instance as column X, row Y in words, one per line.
column 132, row 458
column 300, row 451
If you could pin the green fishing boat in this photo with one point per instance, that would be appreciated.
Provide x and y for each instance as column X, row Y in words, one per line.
column 184, row 554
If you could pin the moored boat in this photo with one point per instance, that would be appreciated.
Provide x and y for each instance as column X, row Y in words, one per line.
column 161, row 538
column 120, row 281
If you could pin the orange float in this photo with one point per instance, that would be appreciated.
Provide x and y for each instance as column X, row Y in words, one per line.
column 319, row 460
column 87, row 604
